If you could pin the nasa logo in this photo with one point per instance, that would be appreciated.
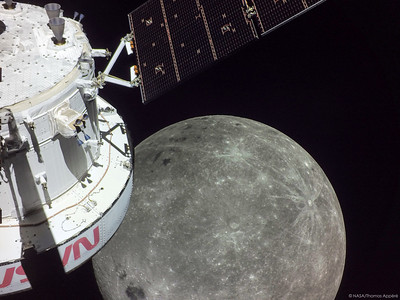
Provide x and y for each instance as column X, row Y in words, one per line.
column 76, row 249
column 9, row 275
column 80, row 254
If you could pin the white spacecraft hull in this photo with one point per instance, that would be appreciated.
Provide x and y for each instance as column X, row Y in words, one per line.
column 76, row 251
column 65, row 160
column 78, row 228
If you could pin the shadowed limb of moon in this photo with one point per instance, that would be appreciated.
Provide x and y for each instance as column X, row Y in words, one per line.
column 225, row 208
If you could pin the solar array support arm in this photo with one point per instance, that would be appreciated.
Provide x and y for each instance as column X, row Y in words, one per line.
column 106, row 77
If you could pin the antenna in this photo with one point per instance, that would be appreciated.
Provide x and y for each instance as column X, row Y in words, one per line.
column 57, row 26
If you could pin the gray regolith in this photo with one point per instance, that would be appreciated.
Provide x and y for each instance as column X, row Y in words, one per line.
column 225, row 208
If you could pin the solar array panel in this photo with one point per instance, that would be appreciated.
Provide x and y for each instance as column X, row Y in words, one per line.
column 273, row 13
column 174, row 39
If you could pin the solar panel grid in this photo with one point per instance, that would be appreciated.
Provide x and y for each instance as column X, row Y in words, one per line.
column 192, row 54
column 190, row 47
column 312, row 2
column 156, row 64
column 189, row 37
column 274, row 12
column 177, row 38
column 229, row 27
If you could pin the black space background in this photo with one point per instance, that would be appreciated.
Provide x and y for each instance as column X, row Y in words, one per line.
column 330, row 80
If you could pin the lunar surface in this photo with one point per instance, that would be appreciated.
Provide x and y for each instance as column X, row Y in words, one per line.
column 225, row 208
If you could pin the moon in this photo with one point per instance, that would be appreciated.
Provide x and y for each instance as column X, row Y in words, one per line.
column 225, row 208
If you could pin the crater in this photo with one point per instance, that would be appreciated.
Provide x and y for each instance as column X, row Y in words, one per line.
column 135, row 293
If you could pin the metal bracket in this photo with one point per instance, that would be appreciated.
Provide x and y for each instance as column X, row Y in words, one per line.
column 12, row 142
column 105, row 76
column 127, row 151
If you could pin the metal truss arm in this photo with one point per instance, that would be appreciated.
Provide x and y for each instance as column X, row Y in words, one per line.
column 106, row 77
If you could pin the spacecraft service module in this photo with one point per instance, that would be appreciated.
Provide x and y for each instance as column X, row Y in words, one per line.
column 65, row 160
